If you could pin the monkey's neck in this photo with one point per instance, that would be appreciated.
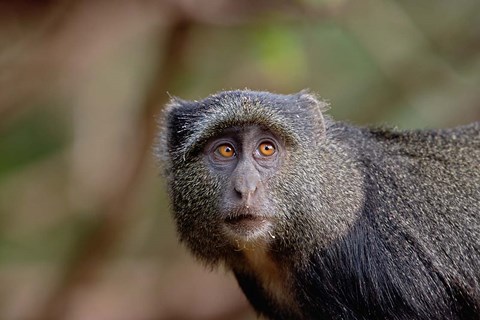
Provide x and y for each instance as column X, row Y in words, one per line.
column 260, row 272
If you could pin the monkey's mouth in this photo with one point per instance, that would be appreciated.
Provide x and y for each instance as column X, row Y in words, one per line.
column 246, row 224
column 245, row 219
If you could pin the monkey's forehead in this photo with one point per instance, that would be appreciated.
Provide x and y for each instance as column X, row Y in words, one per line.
column 296, row 118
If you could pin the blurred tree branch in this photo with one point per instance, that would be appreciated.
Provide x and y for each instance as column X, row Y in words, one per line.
column 98, row 243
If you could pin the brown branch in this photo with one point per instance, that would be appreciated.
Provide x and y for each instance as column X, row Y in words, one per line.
column 93, row 250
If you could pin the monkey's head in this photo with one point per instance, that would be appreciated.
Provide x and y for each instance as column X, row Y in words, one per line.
column 243, row 169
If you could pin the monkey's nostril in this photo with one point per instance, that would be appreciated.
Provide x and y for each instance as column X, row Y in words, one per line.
column 238, row 193
column 245, row 194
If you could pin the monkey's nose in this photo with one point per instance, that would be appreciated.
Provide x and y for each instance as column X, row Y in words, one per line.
column 245, row 192
column 246, row 186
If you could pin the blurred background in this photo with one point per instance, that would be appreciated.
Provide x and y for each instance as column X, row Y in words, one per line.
column 85, row 231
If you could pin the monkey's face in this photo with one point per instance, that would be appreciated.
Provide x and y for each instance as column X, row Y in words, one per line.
column 244, row 159
column 241, row 170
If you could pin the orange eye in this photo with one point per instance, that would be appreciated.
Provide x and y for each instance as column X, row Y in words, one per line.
column 226, row 151
column 266, row 149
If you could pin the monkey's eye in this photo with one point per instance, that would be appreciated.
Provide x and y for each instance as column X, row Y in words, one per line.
column 225, row 150
column 266, row 149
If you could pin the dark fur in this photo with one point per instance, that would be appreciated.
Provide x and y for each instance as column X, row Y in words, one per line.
column 372, row 223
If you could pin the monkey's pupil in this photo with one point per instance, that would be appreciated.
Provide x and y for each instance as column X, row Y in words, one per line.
column 267, row 149
column 225, row 151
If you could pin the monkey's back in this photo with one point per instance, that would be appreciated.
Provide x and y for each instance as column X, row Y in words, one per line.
column 431, row 178
column 423, row 197
column 414, row 251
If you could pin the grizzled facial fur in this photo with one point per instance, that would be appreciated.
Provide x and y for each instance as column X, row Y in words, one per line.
column 215, row 211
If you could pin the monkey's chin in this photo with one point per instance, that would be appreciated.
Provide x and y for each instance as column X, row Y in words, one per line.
column 249, row 227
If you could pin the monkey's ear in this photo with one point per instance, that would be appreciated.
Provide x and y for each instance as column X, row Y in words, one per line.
column 166, row 123
column 174, row 103
column 316, row 107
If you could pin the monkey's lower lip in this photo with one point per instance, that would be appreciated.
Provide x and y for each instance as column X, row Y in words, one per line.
column 246, row 221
